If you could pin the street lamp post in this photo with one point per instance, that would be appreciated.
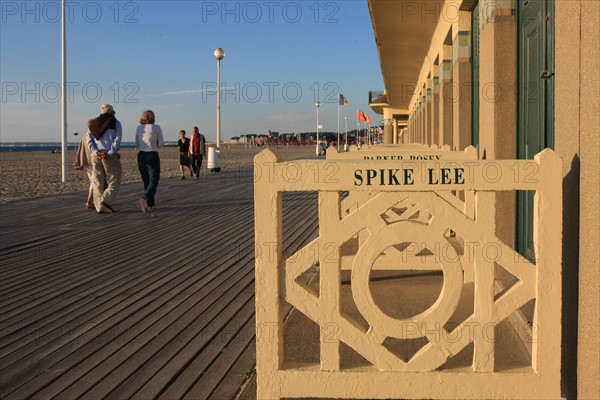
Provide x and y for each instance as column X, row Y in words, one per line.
column 219, row 55
column 64, row 94
column 318, row 104
column 213, row 162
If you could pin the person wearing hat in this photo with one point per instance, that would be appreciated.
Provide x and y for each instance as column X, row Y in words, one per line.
column 104, row 140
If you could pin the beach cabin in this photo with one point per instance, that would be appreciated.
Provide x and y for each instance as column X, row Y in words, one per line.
column 508, row 282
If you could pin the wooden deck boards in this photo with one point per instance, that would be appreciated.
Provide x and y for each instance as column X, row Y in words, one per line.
column 130, row 305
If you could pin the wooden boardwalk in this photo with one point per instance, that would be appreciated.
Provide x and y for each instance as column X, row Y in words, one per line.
column 128, row 305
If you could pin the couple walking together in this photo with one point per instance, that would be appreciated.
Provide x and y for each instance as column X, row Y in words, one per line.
column 103, row 165
column 191, row 152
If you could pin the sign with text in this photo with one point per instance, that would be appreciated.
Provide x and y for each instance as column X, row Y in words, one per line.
column 402, row 153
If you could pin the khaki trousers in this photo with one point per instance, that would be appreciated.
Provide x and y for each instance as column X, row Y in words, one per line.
column 108, row 170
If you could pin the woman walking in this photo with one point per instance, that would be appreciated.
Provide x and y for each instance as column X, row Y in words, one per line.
column 184, row 158
column 148, row 138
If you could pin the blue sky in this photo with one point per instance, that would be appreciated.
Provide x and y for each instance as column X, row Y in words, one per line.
column 145, row 54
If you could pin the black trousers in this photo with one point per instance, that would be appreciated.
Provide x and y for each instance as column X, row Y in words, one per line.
column 196, row 164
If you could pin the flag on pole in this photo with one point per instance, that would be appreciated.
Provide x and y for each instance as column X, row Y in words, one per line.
column 368, row 119
column 342, row 101
column 362, row 116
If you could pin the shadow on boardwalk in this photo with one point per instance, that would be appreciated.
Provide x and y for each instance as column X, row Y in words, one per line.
column 130, row 305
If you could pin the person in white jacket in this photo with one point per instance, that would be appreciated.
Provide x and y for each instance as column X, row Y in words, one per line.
column 148, row 138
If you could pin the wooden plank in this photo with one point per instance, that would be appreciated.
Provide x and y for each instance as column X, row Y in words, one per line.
column 199, row 366
column 147, row 248
column 118, row 369
column 108, row 288
column 200, row 345
column 98, row 359
column 108, row 309
column 46, row 303
column 137, row 313
column 150, row 304
column 232, row 382
column 143, row 356
column 208, row 381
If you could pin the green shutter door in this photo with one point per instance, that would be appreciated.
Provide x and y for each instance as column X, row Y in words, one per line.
column 534, row 108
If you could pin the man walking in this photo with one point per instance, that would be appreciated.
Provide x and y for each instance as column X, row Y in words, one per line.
column 104, row 140
column 197, row 151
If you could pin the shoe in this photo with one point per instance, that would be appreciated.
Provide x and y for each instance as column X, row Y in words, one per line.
column 182, row 176
column 196, row 178
column 107, row 206
column 89, row 206
column 143, row 206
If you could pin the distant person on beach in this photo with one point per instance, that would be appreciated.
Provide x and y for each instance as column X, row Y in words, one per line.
column 148, row 138
column 104, row 140
column 184, row 154
column 197, row 151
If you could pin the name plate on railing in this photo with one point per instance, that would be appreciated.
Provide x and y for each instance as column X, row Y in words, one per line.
column 370, row 175
column 401, row 152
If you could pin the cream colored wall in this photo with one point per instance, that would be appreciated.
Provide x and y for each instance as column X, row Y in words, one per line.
column 445, row 104
column 577, row 125
column 435, row 106
column 461, row 83
column 497, row 115
column 567, row 132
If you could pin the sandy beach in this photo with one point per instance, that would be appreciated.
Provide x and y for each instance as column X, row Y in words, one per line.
column 33, row 174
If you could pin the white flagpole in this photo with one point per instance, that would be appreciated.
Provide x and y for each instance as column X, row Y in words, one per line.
column 338, row 141
column 64, row 93
column 357, row 129
column 346, row 141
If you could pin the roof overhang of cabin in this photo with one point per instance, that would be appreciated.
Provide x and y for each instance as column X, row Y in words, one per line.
column 404, row 33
